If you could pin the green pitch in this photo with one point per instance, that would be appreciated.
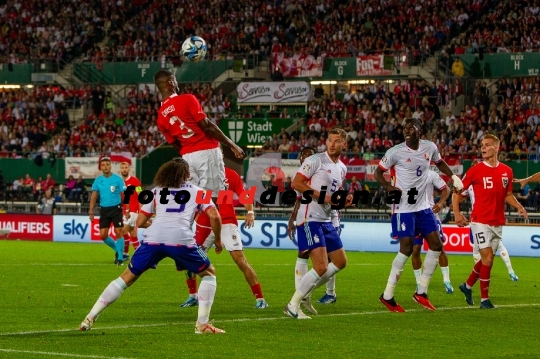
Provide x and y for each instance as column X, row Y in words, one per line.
column 47, row 289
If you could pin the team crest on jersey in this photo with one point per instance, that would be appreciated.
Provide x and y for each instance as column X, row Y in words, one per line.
column 329, row 171
column 505, row 182
column 306, row 168
column 113, row 188
column 426, row 156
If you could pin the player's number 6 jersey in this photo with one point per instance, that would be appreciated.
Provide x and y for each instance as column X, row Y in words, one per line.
column 409, row 170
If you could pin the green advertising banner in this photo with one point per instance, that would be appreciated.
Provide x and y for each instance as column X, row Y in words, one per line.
column 16, row 74
column 502, row 65
column 253, row 131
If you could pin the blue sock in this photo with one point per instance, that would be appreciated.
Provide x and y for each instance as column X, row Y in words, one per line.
column 120, row 248
column 110, row 242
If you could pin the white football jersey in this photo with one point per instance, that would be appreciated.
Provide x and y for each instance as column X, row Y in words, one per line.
column 321, row 171
column 410, row 169
column 335, row 218
column 173, row 221
column 435, row 181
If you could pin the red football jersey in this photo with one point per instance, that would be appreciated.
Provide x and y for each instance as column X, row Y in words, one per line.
column 134, row 200
column 490, row 186
column 177, row 119
column 227, row 212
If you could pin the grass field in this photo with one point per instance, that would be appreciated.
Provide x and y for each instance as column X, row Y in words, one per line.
column 47, row 289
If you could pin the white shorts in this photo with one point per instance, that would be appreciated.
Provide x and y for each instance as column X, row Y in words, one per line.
column 207, row 169
column 230, row 237
column 485, row 236
column 132, row 221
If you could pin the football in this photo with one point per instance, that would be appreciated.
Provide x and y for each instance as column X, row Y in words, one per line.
column 194, row 48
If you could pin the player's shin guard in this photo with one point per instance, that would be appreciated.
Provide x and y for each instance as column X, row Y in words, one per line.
column 397, row 268
column 135, row 242
column 113, row 291
column 505, row 257
column 207, row 292
column 485, row 275
column 475, row 274
column 127, row 240
column 331, row 286
column 330, row 272
column 191, row 281
column 305, row 287
column 300, row 271
column 430, row 263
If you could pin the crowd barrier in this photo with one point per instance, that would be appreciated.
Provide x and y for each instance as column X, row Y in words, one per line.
column 356, row 236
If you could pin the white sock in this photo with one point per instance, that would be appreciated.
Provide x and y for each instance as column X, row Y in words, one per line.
column 476, row 257
column 417, row 274
column 505, row 257
column 331, row 286
column 304, row 287
column 113, row 291
column 330, row 272
column 445, row 274
column 397, row 267
column 430, row 263
column 206, row 294
column 300, row 271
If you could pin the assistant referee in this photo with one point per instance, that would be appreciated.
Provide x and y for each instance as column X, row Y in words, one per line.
column 110, row 188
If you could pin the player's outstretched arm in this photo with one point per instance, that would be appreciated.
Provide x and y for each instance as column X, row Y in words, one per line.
column 511, row 200
column 215, row 132
column 443, row 167
column 522, row 182
column 461, row 221
column 215, row 223
column 291, row 228
column 445, row 193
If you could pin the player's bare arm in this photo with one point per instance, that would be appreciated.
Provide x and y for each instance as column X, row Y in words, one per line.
column 142, row 220
column 511, row 200
column 250, row 216
column 461, row 221
column 215, row 132
column 379, row 177
column 291, row 227
column 522, row 182
column 442, row 201
column 215, row 223
column 93, row 200
column 177, row 145
column 443, row 167
column 299, row 184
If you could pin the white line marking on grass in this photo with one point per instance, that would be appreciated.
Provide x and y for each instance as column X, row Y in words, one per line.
column 166, row 264
column 523, row 305
column 69, row 285
column 59, row 354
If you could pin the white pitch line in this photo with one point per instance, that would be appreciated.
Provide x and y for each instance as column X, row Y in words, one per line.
column 260, row 319
column 167, row 264
column 59, row 354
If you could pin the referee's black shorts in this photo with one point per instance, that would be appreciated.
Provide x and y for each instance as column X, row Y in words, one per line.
column 108, row 215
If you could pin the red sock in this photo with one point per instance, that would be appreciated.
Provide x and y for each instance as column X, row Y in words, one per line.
column 192, row 285
column 135, row 242
column 126, row 243
column 475, row 274
column 257, row 292
column 485, row 275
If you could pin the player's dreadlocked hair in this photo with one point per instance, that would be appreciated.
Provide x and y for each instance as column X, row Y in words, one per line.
column 172, row 174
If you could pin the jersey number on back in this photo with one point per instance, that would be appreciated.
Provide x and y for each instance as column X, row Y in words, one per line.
column 176, row 210
column 488, row 182
column 182, row 125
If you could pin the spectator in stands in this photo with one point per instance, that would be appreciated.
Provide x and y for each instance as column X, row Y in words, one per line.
column 533, row 197
column 47, row 204
column 70, row 186
column 79, row 192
